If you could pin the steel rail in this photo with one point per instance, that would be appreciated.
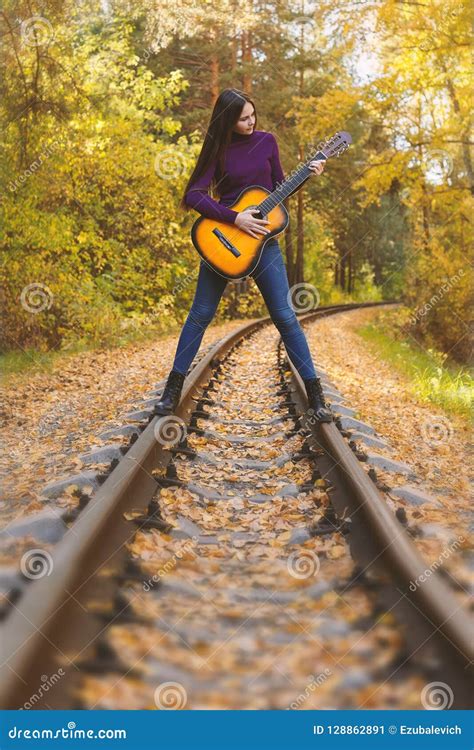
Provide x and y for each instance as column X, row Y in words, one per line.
column 380, row 542
column 51, row 616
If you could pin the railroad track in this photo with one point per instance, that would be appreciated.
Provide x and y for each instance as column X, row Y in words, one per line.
column 235, row 547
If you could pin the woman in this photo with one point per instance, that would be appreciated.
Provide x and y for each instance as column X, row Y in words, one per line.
column 235, row 155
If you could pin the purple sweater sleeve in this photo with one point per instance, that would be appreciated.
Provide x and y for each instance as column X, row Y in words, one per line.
column 197, row 197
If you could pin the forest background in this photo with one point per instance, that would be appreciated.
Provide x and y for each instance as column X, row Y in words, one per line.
column 104, row 108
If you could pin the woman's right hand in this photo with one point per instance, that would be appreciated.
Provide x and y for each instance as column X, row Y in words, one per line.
column 246, row 221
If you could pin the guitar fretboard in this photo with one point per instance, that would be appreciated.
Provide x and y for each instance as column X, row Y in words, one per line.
column 288, row 186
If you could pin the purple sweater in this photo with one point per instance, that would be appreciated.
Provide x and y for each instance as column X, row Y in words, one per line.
column 249, row 160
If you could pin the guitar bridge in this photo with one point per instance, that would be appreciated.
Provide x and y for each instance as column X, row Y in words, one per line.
column 236, row 253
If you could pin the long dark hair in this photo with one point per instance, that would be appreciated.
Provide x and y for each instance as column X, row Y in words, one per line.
column 225, row 115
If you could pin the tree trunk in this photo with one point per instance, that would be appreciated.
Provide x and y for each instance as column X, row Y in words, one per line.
column 424, row 207
column 289, row 247
column 214, row 75
column 299, row 265
column 466, row 153
column 342, row 270
column 246, row 60
column 425, row 216
column 233, row 56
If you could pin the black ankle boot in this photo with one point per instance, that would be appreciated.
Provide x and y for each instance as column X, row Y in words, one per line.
column 316, row 400
column 171, row 394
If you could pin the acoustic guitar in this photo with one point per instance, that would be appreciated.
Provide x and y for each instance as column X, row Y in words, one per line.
column 232, row 252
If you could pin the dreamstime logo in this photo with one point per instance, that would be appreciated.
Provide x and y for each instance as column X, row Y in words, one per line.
column 36, row 563
column 170, row 430
column 436, row 430
column 439, row 163
column 437, row 297
column 436, row 696
column 303, row 21
column 437, row 563
column 300, row 171
column 187, row 548
column 147, row 53
column 36, row 297
column 169, row 164
column 36, row 31
column 170, row 696
column 303, row 297
column 35, row 165
column 303, row 564
column 46, row 683
column 183, row 283
column 315, row 682
column 426, row 44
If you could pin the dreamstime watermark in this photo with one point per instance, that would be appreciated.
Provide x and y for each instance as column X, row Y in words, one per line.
column 303, row 297
column 169, row 164
column 303, row 20
column 438, row 163
column 437, row 696
column 170, row 430
column 311, row 418
column 315, row 682
column 46, row 684
column 437, row 297
column 445, row 554
column 303, row 564
column 186, row 548
column 145, row 54
column 170, row 696
column 183, row 283
column 13, row 185
column 436, row 430
column 36, row 297
column 36, row 563
column 427, row 43
column 36, row 31
column 70, row 732
column 311, row 150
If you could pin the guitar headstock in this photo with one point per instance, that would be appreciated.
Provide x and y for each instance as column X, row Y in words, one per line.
column 336, row 145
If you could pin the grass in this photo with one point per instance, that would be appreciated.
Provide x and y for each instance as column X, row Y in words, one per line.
column 446, row 384
column 26, row 362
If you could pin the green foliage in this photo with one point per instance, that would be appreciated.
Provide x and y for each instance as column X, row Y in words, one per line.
column 103, row 111
column 93, row 216
column 433, row 376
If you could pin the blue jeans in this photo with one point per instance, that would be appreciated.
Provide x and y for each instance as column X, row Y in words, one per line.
column 272, row 280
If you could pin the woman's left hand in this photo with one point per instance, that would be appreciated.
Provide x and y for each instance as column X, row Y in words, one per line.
column 317, row 166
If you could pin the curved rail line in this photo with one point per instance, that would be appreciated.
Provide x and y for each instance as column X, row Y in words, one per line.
column 52, row 614
column 378, row 539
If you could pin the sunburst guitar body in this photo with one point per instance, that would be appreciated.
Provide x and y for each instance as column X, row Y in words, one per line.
column 229, row 250
column 233, row 253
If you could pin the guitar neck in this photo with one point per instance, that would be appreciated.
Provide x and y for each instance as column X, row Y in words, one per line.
column 289, row 186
